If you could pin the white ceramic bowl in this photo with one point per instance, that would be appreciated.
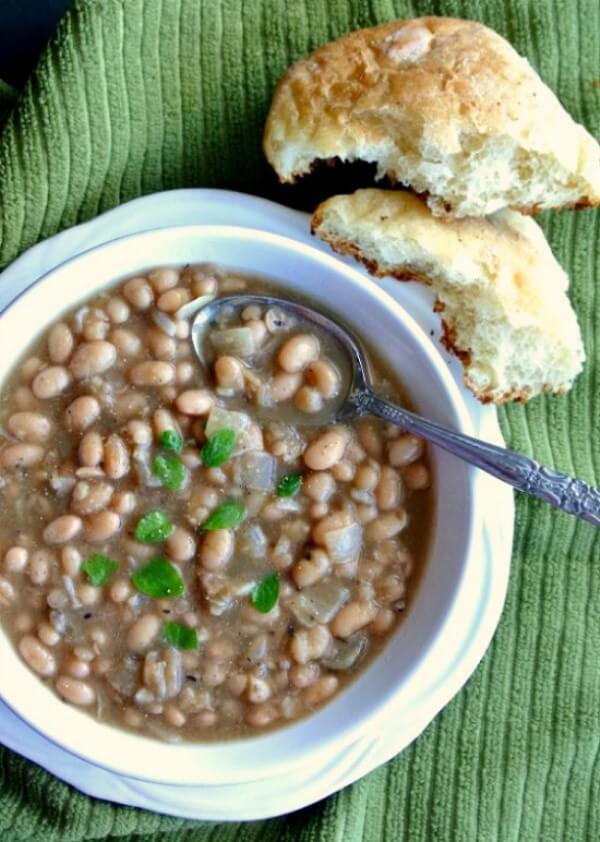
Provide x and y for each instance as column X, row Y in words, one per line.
column 421, row 646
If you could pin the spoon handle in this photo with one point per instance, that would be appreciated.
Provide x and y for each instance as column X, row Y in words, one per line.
column 567, row 493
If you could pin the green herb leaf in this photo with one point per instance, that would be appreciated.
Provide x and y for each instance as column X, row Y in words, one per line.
column 98, row 569
column 183, row 637
column 159, row 579
column 171, row 440
column 153, row 528
column 228, row 514
column 289, row 485
column 170, row 470
column 266, row 593
column 218, row 448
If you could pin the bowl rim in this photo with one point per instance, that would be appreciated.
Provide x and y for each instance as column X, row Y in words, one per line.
column 352, row 729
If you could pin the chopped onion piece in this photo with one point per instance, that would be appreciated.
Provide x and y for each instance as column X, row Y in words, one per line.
column 344, row 544
column 238, row 341
column 276, row 320
column 141, row 461
column 70, row 589
column 162, row 321
column 252, row 541
column 247, row 434
column 191, row 308
column 80, row 317
column 319, row 603
column 257, row 470
column 346, row 653
column 288, row 504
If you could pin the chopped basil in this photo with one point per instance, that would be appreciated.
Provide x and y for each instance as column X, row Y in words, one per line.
column 183, row 637
column 266, row 593
column 171, row 440
column 153, row 528
column 218, row 448
column 289, row 485
column 170, row 470
column 98, row 569
column 159, row 579
column 228, row 514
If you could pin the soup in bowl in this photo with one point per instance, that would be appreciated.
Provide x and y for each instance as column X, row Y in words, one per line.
column 199, row 552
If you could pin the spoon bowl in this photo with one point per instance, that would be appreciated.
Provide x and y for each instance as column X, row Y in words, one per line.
column 358, row 398
column 356, row 374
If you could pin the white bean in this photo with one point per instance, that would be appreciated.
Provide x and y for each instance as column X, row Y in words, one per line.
column 194, row 402
column 310, row 644
column 367, row 476
column 155, row 373
column 386, row 525
column 163, row 279
column 116, row 457
column 336, row 520
column 7, row 592
column 75, row 691
column 16, row 456
column 62, row 529
column 126, row 342
column 309, row 570
column 171, row 300
column 404, row 450
column 91, row 450
column 139, row 293
column 161, row 346
column 284, row 385
column 50, row 382
column 143, row 632
column 123, row 502
column 416, row 476
column 37, row 656
column 308, row 400
column 319, row 486
column 229, row 373
column 216, row 548
column 90, row 497
column 327, row 449
column 92, row 358
column 101, row 527
column 323, row 376
column 15, row 559
column 389, row 489
column 29, row 426
column 352, row 617
column 180, row 545
column 70, row 559
column 60, row 343
column 298, row 352
column 117, row 310
column 82, row 412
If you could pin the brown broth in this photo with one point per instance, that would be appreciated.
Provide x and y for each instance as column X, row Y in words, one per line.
column 250, row 671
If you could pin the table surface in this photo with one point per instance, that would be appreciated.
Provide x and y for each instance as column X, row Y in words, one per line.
column 25, row 28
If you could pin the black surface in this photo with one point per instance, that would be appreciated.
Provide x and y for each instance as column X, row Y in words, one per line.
column 25, row 27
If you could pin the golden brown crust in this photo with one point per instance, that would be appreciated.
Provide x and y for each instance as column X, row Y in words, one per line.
column 504, row 259
column 431, row 90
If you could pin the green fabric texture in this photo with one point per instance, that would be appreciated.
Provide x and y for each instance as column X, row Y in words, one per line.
column 135, row 96
column 8, row 95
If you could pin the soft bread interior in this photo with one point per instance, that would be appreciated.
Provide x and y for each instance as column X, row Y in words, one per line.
column 502, row 293
column 444, row 106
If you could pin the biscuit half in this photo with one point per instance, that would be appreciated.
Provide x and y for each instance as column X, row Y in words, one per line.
column 444, row 106
column 500, row 290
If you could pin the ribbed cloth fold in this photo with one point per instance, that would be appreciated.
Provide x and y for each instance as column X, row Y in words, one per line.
column 135, row 96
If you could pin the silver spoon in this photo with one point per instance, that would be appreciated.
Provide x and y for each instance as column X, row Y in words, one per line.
column 567, row 493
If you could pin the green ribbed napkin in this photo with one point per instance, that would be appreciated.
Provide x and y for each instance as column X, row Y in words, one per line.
column 135, row 96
